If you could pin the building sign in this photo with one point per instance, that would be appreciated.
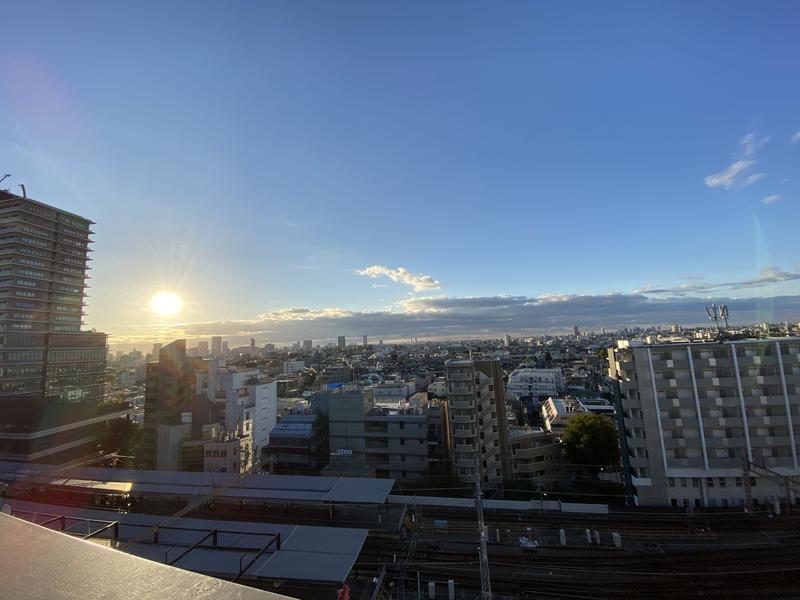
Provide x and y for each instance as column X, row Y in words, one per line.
column 342, row 452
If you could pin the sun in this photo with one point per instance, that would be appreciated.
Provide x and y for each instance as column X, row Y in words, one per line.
column 166, row 304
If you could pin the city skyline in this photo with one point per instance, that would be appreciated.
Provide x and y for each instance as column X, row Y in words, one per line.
column 288, row 179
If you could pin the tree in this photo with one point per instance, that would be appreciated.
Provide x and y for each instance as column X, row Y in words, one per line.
column 591, row 440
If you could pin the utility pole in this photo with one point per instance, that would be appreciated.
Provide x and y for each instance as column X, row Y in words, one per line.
column 486, row 584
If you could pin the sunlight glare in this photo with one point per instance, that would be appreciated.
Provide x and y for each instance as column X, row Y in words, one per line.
column 166, row 304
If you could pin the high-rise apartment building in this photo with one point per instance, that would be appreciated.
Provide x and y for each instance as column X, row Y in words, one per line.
column 51, row 372
column 695, row 413
column 476, row 408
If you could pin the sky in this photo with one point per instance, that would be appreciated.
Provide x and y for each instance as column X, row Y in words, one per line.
column 299, row 170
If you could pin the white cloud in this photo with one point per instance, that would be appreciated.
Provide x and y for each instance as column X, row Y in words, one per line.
column 751, row 144
column 401, row 275
column 727, row 178
column 796, row 137
column 751, row 179
column 772, row 198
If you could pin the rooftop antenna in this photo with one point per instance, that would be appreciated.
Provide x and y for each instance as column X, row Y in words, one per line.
column 4, row 177
column 24, row 194
column 717, row 314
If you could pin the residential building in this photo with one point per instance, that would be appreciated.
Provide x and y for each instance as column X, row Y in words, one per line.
column 393, row 392
column 534, row 383
column 51, row 372
column 294, row 366
column 477, row 412
column 438, row 388
column 250, row 402
column 556, row 413
column 694, row 414
column 535, row 456
column 192, row 403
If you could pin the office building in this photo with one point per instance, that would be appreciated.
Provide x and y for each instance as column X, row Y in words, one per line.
column 694, row 414
column 298, row 445
column 370, row 441
column 476, row 409
column 341, row 342
column 576, row 332
column 202, row 348
column 170, row 397
column 527, row 382
column 216, row 345
column 506, row 340
column 51, row 372
column 308, row 344
column 364, row 341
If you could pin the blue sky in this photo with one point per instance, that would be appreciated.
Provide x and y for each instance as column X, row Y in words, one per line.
column 254, row 156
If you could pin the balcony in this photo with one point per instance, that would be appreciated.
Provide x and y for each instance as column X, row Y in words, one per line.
column 462, row 404
column 467, row 419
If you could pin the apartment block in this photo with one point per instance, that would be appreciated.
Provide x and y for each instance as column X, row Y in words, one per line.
column 533, row 383
column 535, row 456
column 477, row 413
column 710, row 424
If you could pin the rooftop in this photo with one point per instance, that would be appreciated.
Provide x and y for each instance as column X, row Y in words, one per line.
column 53, row 565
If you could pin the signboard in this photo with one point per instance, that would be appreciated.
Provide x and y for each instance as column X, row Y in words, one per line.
column 342, row 452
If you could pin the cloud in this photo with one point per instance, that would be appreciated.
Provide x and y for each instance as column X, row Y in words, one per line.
column 727, row 178
column 401, row 275
column 767, row 276
column 796, row 137
column 487, row 316
column 751, row 144
column 771, row 198
column 751, row 179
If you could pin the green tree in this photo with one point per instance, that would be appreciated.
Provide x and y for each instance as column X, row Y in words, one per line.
column 590, row 440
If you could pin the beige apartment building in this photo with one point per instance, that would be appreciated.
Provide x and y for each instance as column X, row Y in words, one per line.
column 476, row 409
column 711, row 423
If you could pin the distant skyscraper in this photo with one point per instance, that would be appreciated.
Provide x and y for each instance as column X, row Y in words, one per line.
column 576, row 332
column 342, row 341
column 156, row 350
column 202, row 347
column 308, row 344
column 364, row 341
column 216, row 345
column 252, row 346
column 225, row 348
column 51, row 372
column 506, row 340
